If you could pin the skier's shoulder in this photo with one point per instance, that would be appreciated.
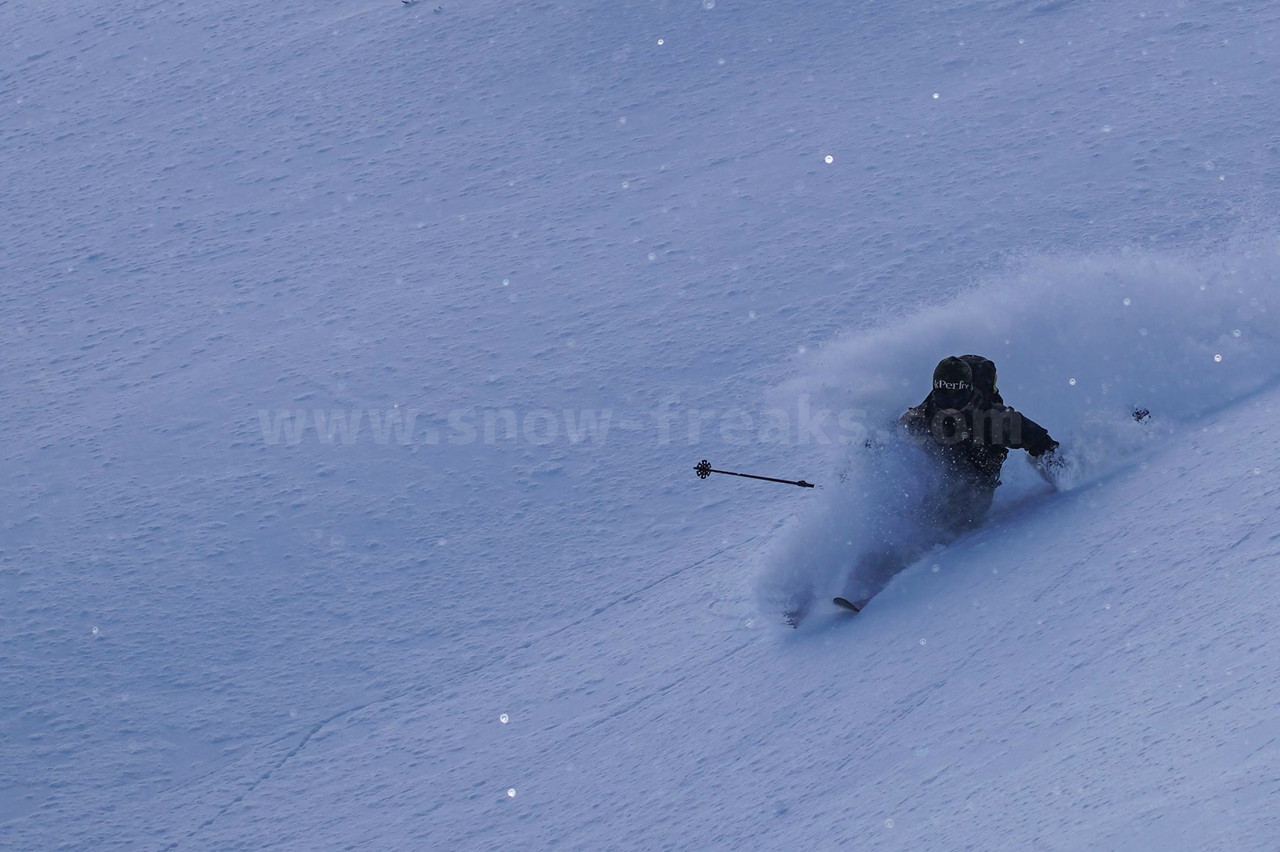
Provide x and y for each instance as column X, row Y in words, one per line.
column 916, row 416
column 1009, row 416
column 912, row 418
column 987, row 409
column 1007, row 412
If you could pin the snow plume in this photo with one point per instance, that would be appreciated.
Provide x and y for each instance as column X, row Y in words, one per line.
column 860, row 530
column 1080, row 343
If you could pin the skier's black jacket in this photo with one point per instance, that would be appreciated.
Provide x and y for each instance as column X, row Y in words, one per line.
column 976, row 440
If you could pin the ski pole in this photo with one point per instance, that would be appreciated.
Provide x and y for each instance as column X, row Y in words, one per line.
column 704, row 469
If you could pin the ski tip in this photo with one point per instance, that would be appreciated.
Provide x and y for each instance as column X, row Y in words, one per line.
column 848, row 604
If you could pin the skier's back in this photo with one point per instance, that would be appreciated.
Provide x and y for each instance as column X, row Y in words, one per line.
column 965, row 425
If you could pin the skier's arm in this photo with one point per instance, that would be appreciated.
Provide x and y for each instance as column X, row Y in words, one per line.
column 1027, row 434
column 914, row 419
column 913, row 422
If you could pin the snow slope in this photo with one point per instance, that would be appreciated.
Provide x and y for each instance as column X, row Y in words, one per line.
column 240, row 610
column 1091, row 348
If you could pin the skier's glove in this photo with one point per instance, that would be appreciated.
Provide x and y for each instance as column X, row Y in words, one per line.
column 1052, row 466
column 1045, row 451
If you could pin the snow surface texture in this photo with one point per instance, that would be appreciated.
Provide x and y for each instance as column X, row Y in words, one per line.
column 241, row 242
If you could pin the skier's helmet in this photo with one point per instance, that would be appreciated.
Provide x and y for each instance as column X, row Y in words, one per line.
column 953, row 383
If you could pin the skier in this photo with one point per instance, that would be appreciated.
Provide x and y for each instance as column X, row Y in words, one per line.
column 965, row 425
column 968, row 430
